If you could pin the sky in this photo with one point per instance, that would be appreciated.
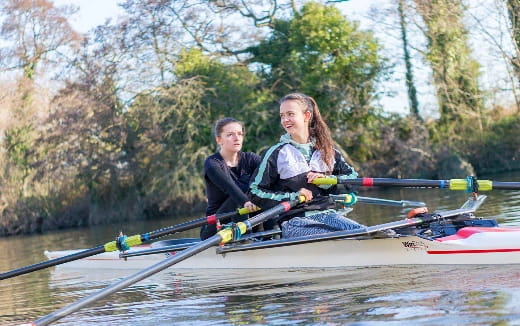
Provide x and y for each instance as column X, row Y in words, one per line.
column 91, row 13
column 94, row 12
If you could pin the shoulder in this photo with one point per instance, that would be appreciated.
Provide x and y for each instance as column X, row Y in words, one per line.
column 338, row 158
column 338, row 154
column 216, row 156
column 249, row 156
column 341, row 166
column 274, row 150
column 214, row 161
column 249, row 160
column 270, row 158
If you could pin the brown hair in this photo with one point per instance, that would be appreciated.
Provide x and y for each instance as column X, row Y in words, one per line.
column 220, row 124
column 317, row 126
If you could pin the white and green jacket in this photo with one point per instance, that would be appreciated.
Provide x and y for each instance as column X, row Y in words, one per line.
column 283, row 172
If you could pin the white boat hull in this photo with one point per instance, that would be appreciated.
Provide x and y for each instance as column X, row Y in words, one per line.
column 481, row 246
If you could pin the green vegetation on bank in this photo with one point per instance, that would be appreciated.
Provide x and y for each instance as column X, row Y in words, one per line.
column 125, row 135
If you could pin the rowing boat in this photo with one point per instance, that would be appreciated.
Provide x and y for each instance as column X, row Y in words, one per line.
column 449, row 237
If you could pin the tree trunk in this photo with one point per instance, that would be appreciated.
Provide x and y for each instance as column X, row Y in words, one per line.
column 455, row 72
column 410, row 84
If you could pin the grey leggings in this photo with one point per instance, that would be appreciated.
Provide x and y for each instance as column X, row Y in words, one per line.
column 317, row 224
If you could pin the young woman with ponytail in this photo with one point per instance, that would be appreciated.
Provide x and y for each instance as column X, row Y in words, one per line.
column 288, row 168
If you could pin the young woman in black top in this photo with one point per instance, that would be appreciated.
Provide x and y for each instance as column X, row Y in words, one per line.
column 227, row 173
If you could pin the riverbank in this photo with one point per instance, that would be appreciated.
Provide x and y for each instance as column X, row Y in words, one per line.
column 29, row 221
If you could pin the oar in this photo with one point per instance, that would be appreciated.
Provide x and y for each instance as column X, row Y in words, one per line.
column 452, row 184
column 379, row 201
column 223, row 236
column 126, row 242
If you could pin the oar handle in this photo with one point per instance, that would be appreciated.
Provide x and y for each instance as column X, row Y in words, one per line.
column 211, row 219
column 246, row 210
column 229, row 234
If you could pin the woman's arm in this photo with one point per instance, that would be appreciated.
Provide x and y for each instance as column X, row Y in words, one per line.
column 221, row 179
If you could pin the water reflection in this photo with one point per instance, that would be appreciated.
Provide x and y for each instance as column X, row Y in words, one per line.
column 402, row 294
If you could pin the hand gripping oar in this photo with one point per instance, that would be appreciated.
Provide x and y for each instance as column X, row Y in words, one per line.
column 223, row 236
column 452, row 184
column 126, row 244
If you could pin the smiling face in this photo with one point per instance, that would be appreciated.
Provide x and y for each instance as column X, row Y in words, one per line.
column 231, row 138
column 295, row 120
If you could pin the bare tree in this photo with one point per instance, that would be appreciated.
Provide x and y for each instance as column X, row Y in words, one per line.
column 36, row 32
column 492, row 25
column 513, row 8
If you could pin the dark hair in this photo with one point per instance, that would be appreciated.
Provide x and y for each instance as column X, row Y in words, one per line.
column 220, row 124
column 317, row 126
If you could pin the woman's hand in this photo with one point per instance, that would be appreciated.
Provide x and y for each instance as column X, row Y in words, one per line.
column 250, row 206
column 313, row 175
column 306, row 193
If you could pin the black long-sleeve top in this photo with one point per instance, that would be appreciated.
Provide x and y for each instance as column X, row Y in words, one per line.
column 224, row 182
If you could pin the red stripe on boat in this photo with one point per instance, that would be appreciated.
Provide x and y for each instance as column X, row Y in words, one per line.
column 286, row 205
column 468, row 231
column 369, row 182
column 475, row 251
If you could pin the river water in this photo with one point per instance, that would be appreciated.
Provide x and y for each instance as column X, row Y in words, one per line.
column 393, row 295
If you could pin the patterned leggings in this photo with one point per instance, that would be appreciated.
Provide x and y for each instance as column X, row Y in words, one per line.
column 317, row 224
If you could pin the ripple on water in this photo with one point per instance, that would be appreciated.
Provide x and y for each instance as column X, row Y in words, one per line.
column 362, row 296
